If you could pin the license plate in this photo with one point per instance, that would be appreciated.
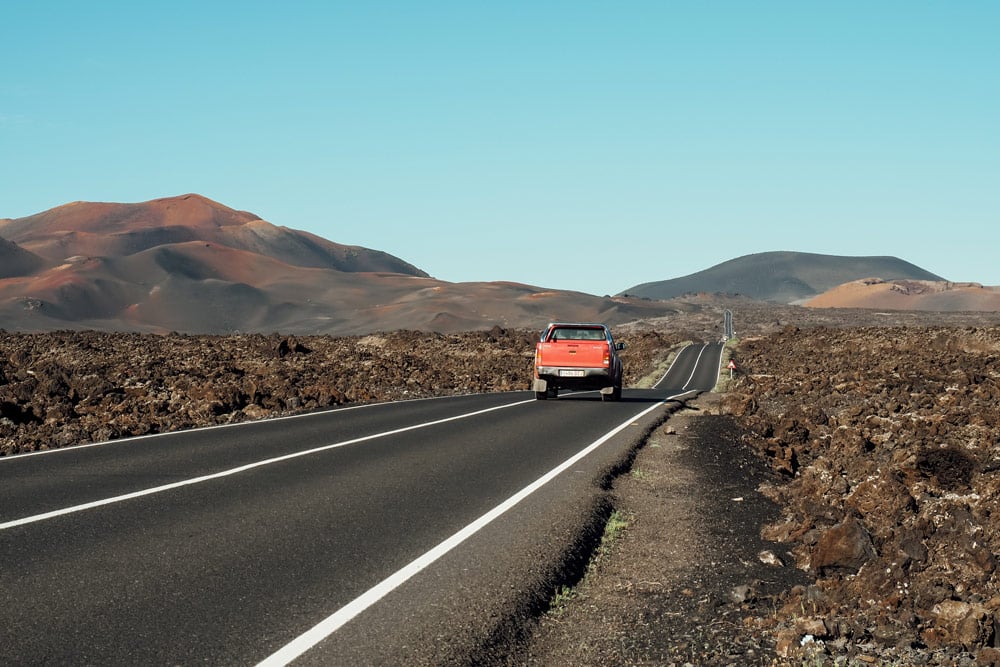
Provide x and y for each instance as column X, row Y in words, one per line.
column 572, row 374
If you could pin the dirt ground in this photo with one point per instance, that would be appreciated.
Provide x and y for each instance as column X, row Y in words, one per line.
column 689, row 568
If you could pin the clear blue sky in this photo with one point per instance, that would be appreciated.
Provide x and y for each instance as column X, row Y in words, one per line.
column 575, row 145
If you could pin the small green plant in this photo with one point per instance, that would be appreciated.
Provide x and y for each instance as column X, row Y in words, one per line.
column 560, row 599
column 613, row 529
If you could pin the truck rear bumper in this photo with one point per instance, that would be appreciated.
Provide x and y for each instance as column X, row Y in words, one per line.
column 571, row 378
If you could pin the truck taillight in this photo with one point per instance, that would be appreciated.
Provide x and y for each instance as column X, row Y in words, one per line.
column 607, row 358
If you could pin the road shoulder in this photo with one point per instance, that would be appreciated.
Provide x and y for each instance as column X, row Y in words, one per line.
column 688, row 573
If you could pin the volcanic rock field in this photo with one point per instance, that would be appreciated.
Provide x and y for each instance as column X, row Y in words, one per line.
column 889, row 439
column 884, row 434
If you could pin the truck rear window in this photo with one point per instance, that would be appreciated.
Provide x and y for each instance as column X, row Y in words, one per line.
column 577, row 334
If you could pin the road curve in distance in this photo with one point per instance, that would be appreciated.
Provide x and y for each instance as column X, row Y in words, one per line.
column 695, row 368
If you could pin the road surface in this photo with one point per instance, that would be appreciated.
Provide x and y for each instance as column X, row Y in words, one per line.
column 396, row 532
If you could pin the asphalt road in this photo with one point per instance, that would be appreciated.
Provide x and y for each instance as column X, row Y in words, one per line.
column 388, row 533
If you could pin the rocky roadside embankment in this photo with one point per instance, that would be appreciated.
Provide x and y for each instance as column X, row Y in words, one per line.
column 67, row 388
column 889, row 442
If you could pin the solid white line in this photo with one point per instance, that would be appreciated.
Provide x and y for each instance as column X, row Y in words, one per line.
column 718, row 371
column 335, row 621
column 233, row 471
column 213, row 427
column 149, row 436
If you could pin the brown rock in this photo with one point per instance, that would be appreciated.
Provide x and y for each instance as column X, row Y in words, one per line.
column 988, row 657
column 291, row 346
column 882, row 495
column 843, row 548
column 912, row 548
column 948, row 467
column 812, row 626
column 788, row 643
column 741, row 405
column 963, row 623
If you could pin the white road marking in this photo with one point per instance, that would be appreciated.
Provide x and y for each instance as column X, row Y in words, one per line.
column 656, row 385
column 234, row 471
column 339, row 618
column 718, row 371
column 149, row 436
column 700, row 352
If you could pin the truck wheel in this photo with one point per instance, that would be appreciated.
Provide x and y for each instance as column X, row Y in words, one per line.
column 541, row 395
column 615, row 395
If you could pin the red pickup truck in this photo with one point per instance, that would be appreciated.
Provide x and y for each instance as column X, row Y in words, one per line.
column 577, row 355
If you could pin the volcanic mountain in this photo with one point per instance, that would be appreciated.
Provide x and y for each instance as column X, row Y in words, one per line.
column 785, row 277
column 926, row 295
column 16, row 261
column 190, row 264
column 85, row 229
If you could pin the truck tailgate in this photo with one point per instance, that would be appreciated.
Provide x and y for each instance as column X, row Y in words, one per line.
column 575, row 353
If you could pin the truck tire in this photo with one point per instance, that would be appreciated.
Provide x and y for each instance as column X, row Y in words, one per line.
column 541, row 395
column 615, row 395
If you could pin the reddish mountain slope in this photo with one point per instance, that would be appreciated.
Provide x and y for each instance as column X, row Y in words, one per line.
column 16, row 261
column 111, row 230
column 189, row 264
column 929, row 295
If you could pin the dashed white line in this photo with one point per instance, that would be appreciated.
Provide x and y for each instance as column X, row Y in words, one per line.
column 693, row 370
column 656, row 385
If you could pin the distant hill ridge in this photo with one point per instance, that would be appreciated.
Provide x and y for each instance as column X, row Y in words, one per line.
column 781, row 276
column 112, row 230
column 190, row 264
column 922, row 295
column 193, row 265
